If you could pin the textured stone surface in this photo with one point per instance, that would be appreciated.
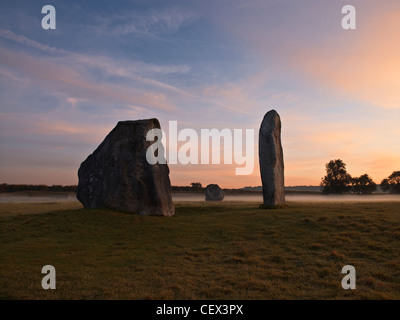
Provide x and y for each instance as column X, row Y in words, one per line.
column 214, row 193
column 118, row 176
column 271, row 160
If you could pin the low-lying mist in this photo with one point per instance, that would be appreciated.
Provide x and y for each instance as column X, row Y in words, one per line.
column 199, row 197
column 297, row 197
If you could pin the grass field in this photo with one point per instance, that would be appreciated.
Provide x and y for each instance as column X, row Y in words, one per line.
column 228, row 250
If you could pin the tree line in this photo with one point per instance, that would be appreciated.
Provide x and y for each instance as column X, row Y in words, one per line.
column 338, row 180
column 4, row 187
column 194, row 186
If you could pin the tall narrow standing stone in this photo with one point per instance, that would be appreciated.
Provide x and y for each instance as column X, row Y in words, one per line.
column 117, row 174
column 271, row 160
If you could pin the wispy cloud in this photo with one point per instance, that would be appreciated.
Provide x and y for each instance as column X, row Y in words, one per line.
column 149, row 23
column 92, row 77
column 101, row 77
column 7, row 34
column 49, row 73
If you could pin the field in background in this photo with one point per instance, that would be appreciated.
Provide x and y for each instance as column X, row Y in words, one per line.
column 228, row 250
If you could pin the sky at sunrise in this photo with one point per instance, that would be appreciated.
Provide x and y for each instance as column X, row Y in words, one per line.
column 205, row 64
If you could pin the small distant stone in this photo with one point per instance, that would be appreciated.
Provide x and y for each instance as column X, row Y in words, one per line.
column 214, row 193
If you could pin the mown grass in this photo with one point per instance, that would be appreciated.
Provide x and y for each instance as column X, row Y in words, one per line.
column 222, row 250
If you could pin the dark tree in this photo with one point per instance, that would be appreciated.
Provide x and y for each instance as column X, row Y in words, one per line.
column 196, row 186
column 363, row 184
column 29, row 187
column 3, row 187
column 392, row 183
column 337, row 180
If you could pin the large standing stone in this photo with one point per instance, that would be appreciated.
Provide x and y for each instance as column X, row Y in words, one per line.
column 214, row 193
column 118, row 176
column 271, row 160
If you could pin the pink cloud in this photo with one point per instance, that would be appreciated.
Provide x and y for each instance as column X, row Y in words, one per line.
column 362, row 64
column 59, row 74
